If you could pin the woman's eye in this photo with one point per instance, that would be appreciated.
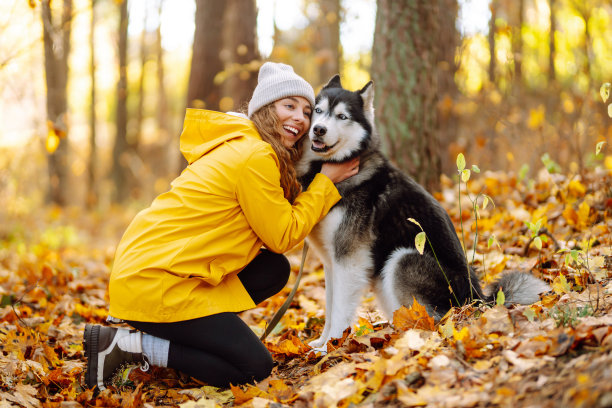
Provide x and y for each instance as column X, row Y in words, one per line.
column 318, row 110
column 342, row 116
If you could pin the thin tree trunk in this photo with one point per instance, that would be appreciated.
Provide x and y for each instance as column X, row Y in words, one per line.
column 492, row 52
column 134, row 142
column 552, row 76
column 518, row 46
column 121, row 157
column 405, row 79
column 92, row 186
column 57, row 49
column 162, row 101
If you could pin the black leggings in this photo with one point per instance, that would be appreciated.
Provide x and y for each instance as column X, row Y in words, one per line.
column 221, row 349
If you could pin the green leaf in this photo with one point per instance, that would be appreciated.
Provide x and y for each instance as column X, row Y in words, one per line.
column 465, row 175
column 610, row 110
column 475, row 168
column 485, row 202
column 500, row 298
column 538, row 242
column 6, row 300
column 599, row 147
column 419, row 242
column 604, row 91
column 529, row 313
column 460, row 162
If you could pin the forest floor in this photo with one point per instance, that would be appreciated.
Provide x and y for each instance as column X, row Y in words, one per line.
column 54, row 267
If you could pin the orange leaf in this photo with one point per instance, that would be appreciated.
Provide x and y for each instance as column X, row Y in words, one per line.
column 415, row 317
column 289, row 346
column 241, row 396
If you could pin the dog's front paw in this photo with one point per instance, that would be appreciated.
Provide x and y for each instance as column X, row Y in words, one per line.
column 318, row 343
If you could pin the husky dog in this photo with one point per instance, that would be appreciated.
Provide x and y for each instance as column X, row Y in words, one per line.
column 367, row 238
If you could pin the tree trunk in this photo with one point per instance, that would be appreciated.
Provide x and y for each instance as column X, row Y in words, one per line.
column 328, row 40
column 202, row 91
column 121, row 155
column 518, row 46
column 162, row 100
column 552, row 76
column 92, row 184
column 448, row 39
column 405, row 78
column 134, row 141
column 492, row 52
column 240, row 53
column 56, row 41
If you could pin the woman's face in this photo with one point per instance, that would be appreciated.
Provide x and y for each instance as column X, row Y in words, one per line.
column 294, row 114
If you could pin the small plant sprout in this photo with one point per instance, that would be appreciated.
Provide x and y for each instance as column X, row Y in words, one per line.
column 536, row 237
column 500, row 299
column 465, row 175
column 419, row 243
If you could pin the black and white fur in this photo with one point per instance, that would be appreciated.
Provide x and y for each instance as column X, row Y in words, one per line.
column 366, row 239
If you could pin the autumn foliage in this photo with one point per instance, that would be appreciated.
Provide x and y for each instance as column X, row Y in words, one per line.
column 54, row 267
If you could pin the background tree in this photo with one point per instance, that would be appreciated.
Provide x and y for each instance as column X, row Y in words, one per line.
column 240, row 53
column 56, row 40
column 405, row 77
column 202, row 92
column 448, row 40
column 327, row 40
column 551, row 42
column 491, row 38
column 92, row 184
column 121, row 155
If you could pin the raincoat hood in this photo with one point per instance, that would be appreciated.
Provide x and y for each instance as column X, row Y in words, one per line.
column 217, row 129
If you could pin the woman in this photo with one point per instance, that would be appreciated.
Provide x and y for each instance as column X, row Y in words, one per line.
column 188, row 263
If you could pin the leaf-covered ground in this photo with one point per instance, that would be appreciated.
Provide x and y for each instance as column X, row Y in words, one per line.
column 54, row 268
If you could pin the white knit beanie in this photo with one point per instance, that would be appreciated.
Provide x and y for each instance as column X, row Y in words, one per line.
column 277, row 81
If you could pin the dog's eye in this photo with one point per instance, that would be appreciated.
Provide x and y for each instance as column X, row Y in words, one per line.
column 342, row 116
column 318, row 110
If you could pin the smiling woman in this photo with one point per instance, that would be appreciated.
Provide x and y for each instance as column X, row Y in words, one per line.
column 194, row 258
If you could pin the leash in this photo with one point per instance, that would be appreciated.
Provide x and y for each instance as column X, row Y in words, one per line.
column 281, row 311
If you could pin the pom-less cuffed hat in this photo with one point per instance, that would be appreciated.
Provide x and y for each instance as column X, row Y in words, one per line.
column 277, row 81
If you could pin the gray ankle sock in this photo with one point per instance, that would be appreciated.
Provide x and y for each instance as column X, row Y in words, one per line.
column 156, row 350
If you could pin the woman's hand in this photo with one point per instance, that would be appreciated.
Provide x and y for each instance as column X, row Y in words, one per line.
column 338, row 172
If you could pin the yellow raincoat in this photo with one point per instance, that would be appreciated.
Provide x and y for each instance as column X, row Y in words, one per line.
column 179, row 258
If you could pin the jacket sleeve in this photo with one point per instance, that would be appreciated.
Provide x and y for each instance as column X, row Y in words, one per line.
column 274, row 220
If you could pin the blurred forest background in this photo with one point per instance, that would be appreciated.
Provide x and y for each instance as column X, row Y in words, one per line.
column 93, row 92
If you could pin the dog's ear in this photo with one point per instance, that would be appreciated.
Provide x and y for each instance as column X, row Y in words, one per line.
column 367, row 94
column 334, row 82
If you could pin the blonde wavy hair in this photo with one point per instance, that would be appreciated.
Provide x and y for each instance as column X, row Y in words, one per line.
column 270, row 128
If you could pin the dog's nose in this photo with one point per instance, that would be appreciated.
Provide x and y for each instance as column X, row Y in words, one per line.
column 319, row 130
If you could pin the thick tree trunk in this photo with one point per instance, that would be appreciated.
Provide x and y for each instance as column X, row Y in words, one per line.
column 448, row 39
column 56, row 41
column 405, row 79
column 328, row 40
column 121, row 155
column 240, row 53
column 205, row 61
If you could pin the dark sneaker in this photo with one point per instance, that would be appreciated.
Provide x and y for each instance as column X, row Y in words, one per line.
column 109, row 348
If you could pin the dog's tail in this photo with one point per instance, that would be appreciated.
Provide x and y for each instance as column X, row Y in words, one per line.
column 518, row 287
